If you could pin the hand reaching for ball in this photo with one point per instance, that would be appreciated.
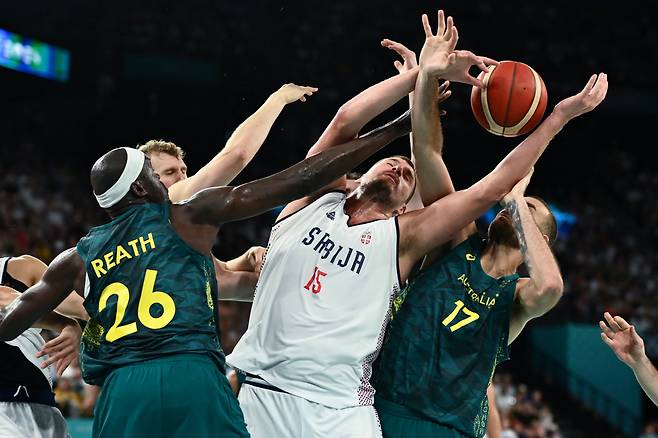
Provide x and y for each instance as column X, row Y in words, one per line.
column 589, row 98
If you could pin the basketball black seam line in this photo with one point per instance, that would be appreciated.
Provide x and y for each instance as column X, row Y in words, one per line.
column 509, row 100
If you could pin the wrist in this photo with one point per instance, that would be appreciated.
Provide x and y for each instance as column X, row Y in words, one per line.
column 559, row 117
column 277, row 98
column 639, row 363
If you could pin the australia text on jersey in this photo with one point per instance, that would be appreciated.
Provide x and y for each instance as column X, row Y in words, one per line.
column 108, row 261
column 327, row 247
column 476, row 296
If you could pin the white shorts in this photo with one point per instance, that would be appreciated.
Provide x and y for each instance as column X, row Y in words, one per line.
column 31, row 420
column 269, row 413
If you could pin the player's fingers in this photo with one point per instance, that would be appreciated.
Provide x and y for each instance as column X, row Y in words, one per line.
column 590, row 83
column 443, row 113
column 444, row 87
column 454, row 37
column 426, row 26
column 397, row 65
column 606, row 339
column 606, row 330
column 444, row 96
column 611, row 322
column 302, row 99
column 54, row 342
column 474, row 81
column 489, row 61
column 442, row 23
column 622, row 323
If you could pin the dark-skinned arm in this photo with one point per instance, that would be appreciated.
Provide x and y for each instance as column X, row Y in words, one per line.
column 39, row 300
column 224, row 204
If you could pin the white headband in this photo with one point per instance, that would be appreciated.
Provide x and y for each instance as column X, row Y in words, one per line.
column 114, row 194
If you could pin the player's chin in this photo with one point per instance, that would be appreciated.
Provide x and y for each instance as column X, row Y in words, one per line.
column 502, row 232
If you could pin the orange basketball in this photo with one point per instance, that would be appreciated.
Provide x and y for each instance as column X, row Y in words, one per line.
column 513, row 100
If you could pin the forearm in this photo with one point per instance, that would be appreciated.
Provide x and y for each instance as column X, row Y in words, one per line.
column 249, row 136
column 314, row 173
column 647, row 377
column 521, row 159
column 368, row 104
column 73, row 306
column 433, row 178
column 240, row 263
column 237, row 285
column 542, row 267
column 53, row 321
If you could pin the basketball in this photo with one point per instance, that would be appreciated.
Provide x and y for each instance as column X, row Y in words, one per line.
column 512, row 101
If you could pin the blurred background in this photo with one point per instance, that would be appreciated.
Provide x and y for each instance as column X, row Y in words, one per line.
column 122, row 72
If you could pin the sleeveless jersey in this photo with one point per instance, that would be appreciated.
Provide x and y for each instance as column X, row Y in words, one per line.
column 322, row 304
column 19, row 365
column 448, row 331
column 148, row 294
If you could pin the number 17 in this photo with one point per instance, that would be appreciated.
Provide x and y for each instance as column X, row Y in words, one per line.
column 472, row 316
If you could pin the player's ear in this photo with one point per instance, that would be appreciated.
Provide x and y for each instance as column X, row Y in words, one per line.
column 546, row 238
column 138, row 189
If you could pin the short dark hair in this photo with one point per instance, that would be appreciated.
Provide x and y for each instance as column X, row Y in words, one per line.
column 550, row 227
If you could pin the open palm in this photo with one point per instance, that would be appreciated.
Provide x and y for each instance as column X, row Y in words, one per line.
column 435, row 55
column 622, row 338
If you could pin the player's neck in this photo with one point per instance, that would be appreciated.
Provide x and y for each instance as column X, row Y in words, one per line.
column 363, row 209
column 500, row 260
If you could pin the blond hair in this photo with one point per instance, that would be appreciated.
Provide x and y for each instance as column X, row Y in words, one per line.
column 165, row 147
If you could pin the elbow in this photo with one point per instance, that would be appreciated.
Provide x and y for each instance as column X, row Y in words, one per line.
column 341, row 122
column 553, row 287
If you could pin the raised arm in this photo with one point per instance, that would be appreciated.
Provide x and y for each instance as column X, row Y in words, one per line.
column 242, row 146
column 224, row 204
column 541, row 292
column 425, row 229
column 63, row 275
column 628, row 346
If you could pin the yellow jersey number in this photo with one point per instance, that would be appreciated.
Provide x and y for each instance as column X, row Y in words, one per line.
column 147, row 299
column 470, row 316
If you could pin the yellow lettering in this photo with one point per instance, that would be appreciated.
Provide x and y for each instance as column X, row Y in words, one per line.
column 108, row 260
column 133, row 245
column 122, row 254
column 492, row 303
column 149, row 241
column 98, row 267
column 461, row 277
column 474, row 296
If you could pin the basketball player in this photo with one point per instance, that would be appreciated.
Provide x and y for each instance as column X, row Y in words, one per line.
column 334, row 264
column 426, row 156
column 453, row 324
column 27, row 403
column 628, row 346
column 149, row 288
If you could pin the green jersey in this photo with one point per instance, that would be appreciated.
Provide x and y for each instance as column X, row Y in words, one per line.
column 448, row 331
column 148, row 294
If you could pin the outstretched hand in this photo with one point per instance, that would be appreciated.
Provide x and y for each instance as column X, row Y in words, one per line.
column 409, row 62
column 292, row 93
column 408, row 56
column 585, row 101
column 64, row 349
column 622, row 338
column 439, row 57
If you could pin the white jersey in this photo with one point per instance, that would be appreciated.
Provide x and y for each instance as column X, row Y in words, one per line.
column 322, row 304
column 30, row 341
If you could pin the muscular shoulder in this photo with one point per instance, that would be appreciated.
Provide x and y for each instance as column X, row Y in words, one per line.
column 26, row 269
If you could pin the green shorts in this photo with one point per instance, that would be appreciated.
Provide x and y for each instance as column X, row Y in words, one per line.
column 182, row 395
column 398, row 421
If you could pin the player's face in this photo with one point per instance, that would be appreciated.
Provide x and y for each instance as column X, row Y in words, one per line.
column 394, row 178
column 155, row 188
column 501, row 229
column 170, row 169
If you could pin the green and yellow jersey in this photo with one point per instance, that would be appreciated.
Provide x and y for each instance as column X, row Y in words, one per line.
column 148, row 294
column 448, row 332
